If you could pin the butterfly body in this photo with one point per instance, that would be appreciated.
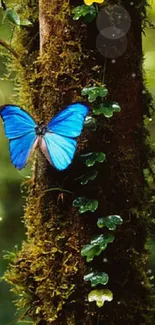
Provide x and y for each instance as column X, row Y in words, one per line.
column 56, row 139
column 41, row 130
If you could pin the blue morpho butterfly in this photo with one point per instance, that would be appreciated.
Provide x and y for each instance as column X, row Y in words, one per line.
column 56, row 140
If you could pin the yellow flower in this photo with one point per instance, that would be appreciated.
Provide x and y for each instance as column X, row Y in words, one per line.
column 90, row 2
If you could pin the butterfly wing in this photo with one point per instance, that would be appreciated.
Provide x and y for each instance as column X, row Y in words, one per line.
column 17, row 122
column 21, row 148
column 69, row 122
column 58, row 150
column 59, row 146
column 20, row 130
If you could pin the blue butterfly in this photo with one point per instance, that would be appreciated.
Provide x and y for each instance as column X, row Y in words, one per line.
column 56, row 140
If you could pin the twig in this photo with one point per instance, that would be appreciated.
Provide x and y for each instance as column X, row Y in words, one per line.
column 9, row 48
column 3, row 5
column 57, row 189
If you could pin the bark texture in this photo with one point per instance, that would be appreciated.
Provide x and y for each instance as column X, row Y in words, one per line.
column 49, row 268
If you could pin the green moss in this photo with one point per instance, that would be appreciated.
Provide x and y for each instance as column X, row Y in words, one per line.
column 45, row 268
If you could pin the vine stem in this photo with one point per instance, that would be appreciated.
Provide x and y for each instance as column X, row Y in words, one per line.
column 96, row 6
column 98, row 319
column 9, row 48
column 13, row 30
column 104, row 70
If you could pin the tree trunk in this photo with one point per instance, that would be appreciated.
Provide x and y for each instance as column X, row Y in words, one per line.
column 49, row 269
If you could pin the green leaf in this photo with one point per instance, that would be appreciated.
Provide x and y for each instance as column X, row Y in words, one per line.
column 107, row 109
column 100, row 296
column 110, row 222
column 102, row 240
column 12, row 16
column 89, row 176
column 96, row 278
column 84, row 204
column 90, row 16
column 25, row 22
column 94, row 92
column 90, row 123
column 92, row 157
column 96, row 246
column 90, row 251
column 89, row 12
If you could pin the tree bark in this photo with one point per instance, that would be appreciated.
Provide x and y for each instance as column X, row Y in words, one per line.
column 49, row 268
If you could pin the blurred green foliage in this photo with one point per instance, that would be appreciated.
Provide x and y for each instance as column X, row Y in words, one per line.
column 11, row 198
column 149, row 61
column 149, row 70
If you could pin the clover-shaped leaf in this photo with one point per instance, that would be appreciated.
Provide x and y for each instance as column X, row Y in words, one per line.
column 89, row 176
column 102, row 240
column 84, row 204
column 92, row 157
column 110, row 222
column 96, row 246
column 100, row 296
column 90, row 251
column 90, row 123
column 12, row 16
column 94, row 92
column 89, row 13
column 107, row 109
column 96, row 278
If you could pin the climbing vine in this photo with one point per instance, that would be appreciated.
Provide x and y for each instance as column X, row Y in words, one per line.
column 98, row 243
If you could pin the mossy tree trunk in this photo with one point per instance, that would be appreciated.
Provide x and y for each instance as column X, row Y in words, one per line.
column 49, row 268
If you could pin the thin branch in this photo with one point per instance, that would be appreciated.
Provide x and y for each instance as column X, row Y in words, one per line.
column 3, row 5
column 9, row 48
